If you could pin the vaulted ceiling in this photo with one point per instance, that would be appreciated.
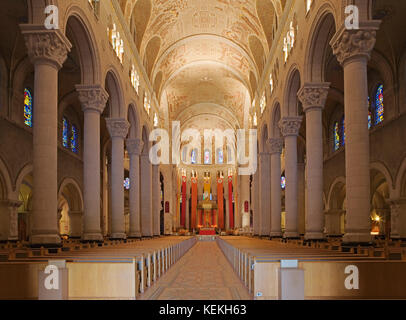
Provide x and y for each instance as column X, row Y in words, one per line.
column 204, row 57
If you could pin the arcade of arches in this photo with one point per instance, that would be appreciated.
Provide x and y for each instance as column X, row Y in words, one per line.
column 78, row 105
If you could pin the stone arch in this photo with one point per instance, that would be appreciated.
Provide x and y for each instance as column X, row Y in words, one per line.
column 275, row 131
column 336, row 194
column 151, row 54
column 318, row 44
column 70, row 208
column 145, row 139
column 133, row 118
column 23, row 191
column 158, row 83
column 400, row 186
column 5, row 181
column 76, row 201
column 264, row 138
column 293, row 84
column 258, row 52
column 266, row 12
column 116, row 100
column 78, row 28
column 140, row 16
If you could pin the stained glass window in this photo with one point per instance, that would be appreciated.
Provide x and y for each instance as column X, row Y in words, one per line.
column 379, row 106
column 193, row 156
column 74, row 145
column 65, row 133
column 369, row 114
column 336, row 136
column 207, row 157
column 220, row 156
column 28, row 107
column 343, row 131
column 283, row 182
column 127, row 183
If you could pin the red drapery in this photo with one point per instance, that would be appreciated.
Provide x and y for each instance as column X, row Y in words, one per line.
column 183, row 216
column 194, row 202
column 220, row 203
column 230, row 201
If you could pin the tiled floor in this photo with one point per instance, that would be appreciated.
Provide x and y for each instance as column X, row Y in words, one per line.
column 203, row 273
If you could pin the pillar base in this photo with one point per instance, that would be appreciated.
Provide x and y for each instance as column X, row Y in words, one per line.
column 314, row 236
column 118, row 236
column 93, row 237
column 357, row 238
column 291, row 235
column 45, row 240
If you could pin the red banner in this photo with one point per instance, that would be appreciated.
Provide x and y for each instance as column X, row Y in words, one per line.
column 246, row 206
column 194, row 202
column 230, row 201
column 183, row 216
column 220, row 203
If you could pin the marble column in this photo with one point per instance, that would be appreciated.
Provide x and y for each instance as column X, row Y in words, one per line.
column 265, row 193
column 313, row 97
column 290, row 130
column 301, row 184
column 118, row 129
column 47, row 50
column 93, row 100
column 156, row 200
column 275, row 149
column 75, row 224
column 134, row 148
column 352, row 49
column 333, row 222
column 146, row 195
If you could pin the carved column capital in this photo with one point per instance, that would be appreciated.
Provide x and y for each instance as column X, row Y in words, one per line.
column 134, row 146
column 290, row 126
column 349, row 44
column 47, row 46
column 313, row 95
column 275, row 145
column 118, row 127
column 92, row 97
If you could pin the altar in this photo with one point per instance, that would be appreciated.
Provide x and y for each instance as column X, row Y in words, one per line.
column 207, row 216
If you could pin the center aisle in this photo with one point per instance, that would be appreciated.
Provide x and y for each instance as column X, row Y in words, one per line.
column 203, row 273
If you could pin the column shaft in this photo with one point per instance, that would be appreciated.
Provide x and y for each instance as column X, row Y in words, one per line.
column 146, row 198
column 265, row 186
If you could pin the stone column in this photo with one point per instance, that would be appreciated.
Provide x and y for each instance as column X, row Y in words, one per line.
column 93, row 100
column 13, row 206
column 156, row 200
column 146, row 192
column 313, row 97
column 353, row 48
column 398, row 219
column 47, row 50
column 118, row 129
column 275, row 148
column 255, row 197
column 134, row 148
column 290, row 129
column 265, row 193
column 244, row 196
column 301, row 184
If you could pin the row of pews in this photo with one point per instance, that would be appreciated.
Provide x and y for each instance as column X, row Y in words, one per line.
column 272, row 269
column 109, row 270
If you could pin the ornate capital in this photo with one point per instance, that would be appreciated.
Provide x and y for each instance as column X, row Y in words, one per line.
column 134, row 146
column 275, row 145
column 290, row 126
column 48, row 46
column 118, row 128
column 92, row 98
column 348, row 44
column 313, row 95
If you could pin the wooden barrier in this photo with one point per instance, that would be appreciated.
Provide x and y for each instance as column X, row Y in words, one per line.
column 107, row 272
column 258, row 264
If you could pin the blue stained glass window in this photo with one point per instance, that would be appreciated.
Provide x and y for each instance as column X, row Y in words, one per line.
column 127, row 183
column 74, row 145
column 379, row 106
column 283, row 182
column 193, row 156
column 343, row 131
column 28, row 107
column 65, row 133
column 336, row 136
